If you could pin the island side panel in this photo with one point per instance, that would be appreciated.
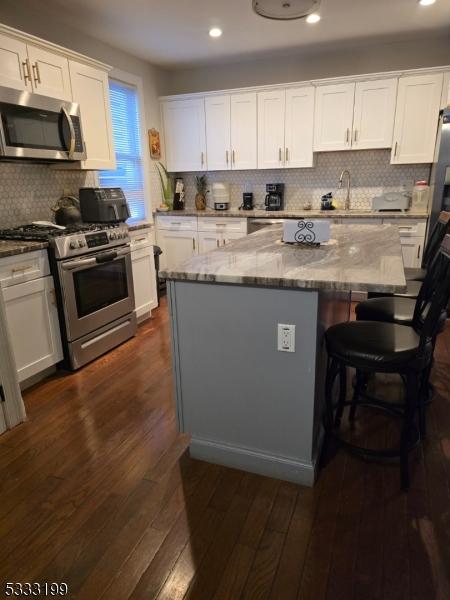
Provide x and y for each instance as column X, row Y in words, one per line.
column 245, row 403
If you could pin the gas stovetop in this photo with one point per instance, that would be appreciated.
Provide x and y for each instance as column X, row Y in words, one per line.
column 74, row 240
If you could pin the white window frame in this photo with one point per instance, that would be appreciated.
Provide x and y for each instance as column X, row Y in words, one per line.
column 136, row 82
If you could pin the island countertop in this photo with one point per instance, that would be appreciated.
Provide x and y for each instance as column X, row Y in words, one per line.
column 357, row 257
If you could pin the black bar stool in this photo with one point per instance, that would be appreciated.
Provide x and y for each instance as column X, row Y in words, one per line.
column 377, row 347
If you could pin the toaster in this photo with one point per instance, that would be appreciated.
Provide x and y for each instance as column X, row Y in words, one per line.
column 103, row 205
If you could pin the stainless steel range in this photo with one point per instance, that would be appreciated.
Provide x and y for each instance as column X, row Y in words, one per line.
column 91, row 265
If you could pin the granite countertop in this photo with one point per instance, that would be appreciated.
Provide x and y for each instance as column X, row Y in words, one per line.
column 137, row 225
column 13, row 247
column 358, row 257
column 293, row 214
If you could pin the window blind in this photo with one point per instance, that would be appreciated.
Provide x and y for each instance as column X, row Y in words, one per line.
column 129, row 173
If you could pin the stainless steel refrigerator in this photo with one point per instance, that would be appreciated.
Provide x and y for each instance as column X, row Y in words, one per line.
column 440, row 172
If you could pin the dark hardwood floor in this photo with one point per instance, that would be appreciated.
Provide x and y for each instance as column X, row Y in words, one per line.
column 97, row 490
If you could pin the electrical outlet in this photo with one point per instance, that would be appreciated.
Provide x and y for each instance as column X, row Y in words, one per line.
column 286, row 338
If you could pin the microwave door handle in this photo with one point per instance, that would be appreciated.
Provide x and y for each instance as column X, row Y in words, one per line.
column 71, row 149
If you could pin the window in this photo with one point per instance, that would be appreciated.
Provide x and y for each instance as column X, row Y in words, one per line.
column 129, row 173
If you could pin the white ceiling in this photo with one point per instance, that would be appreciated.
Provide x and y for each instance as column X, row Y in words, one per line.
column 175, row 32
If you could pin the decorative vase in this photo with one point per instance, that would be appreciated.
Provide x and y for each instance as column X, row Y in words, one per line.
column 200, row 202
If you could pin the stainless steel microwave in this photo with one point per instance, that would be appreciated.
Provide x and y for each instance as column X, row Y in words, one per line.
column 40, row 128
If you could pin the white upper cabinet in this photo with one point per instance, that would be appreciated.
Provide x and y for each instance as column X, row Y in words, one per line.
column 285, row 128
column 91, row 91
column 416, row 118
column 184, row 135
column 299, row 127
column 334, row 117
column 373, row 117
column 218, row 132
column 244, row 131
column 50, row 73
column 271, row 122
column 13, row 64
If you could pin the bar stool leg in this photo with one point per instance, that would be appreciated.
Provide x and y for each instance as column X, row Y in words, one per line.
column 342, row 394
column 412, row 396
column 329, row 381
column 361, row 382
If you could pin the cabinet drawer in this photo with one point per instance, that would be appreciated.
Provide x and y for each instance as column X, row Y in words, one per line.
column 409, row 227
column 23, row 267
column 140, row 239
column 177, row 223
column 226, row 224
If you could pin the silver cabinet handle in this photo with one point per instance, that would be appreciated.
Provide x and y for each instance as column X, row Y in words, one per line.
column 26, row 70
column 233, row 157
column 418, row 251
column 355, row 137
column 286, row 153
column 53, row 297
column 395, row 149
column 36, row 73
column 22, row 269
column 279, row 154
column 347, row 134
column 217, row 243
column 201, row 158
column 193, row 243
column 226, row 155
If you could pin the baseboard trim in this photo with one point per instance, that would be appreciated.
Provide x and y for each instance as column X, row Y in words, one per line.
column 255, row 462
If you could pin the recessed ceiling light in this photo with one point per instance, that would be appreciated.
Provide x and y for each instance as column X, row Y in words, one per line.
column 426, row 2
column 215, row 32
column 313, row 18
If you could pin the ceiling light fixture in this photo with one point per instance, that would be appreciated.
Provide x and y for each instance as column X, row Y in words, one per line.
column 286, row 10
column 215, row 32
column 426, row 2
column 313, row 18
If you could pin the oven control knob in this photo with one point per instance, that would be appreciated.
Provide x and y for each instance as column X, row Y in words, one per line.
column 119, row 236
column 81, row 243
column 112, row 236
column 73, row 245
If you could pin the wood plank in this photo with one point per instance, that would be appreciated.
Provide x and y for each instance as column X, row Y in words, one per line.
column 264, row 566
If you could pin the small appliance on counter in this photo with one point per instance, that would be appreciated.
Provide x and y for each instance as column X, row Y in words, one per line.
column 420, row 196
column 220, row 195
column 67, row 211
column 178, row 196
column 391, row 201
column 274, row 196
column 306, row 231
column 326, row 202
column 247, row 201
column 103, row 205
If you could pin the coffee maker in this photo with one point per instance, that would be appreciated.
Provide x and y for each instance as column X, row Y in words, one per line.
column 274, row 196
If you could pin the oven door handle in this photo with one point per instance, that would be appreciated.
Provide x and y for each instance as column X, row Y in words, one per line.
column 72, row 141
column 75, row 264
column 106, row 257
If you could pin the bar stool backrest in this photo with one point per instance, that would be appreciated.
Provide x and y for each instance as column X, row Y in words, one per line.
column 440, row 230
column 433, row 298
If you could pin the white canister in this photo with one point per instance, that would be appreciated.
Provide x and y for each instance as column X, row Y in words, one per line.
column 420, row 196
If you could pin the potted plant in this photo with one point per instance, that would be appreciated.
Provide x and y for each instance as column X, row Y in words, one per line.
column 166, row 185
column 200, row 184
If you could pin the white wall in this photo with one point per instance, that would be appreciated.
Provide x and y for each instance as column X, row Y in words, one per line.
column 314, row 64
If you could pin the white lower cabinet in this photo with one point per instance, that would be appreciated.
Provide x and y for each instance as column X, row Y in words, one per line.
column 32, row 318
column 177, row 246
column 412, row 250
column 208, row 241
column 144, row 275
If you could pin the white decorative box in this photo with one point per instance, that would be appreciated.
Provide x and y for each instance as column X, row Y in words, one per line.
column 306, row 231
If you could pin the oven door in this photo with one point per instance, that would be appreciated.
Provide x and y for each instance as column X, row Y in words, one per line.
column 96, row 290
column 37, row 127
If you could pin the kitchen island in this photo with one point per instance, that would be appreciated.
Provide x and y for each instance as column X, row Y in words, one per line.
column 246, row 404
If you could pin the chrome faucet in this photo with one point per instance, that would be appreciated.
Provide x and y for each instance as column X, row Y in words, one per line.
column 349, row 183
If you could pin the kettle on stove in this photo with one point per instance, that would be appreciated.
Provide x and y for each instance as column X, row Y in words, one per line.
column 67, row 211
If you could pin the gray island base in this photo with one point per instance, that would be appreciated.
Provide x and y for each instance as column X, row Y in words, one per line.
column 246, row 404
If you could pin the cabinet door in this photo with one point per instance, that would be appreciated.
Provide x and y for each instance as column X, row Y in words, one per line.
column 334, row 117
column 271, row 119
column 50, row 73
column 90, row 89
column 177, row 247
column 208, row 241
column 33, row 321
column 184, row 135
column 416, row 118
column 144, row 281
column 299, row 130
column 228, row 237
column 243, row 131
column 13, row 67
column 412, row 249
column 373, row 119
column 218, row 124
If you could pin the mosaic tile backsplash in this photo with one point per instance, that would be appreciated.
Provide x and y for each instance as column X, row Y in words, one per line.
column 371, row 172
column 28, row 191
